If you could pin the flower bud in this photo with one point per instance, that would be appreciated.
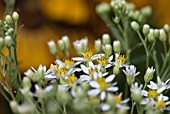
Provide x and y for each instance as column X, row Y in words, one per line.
column 162, row 36
column 26, row 82
column 156, row 33
column 166, row 28
column 14, row 106
column 61, row 45
column 52, row 47
column 1, row 42
column 146, row 11
column 149, row 74
column 146, row 29
column 10, row 31
column 79, row 49
column 66, row 41
column 85, row 44
column 116, row 20
column 122, row 110
column 98, row 46
column 8, row 19
column 8, row 41
column 106, row 39
column 117, row 46
column 135, row 26
column 151, row 37
column 116, row 70
column 108, row 49
column 103, row 8
column 137, row 96
column 15, row 16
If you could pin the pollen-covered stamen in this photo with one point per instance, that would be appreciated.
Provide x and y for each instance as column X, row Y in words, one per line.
column 152, row 93
column 160, row 104
column 62, row 71
column 121, row 59
column 71, row 79
column 88, row 54
column 117, row 98
column 102, row 83
column 103, row 60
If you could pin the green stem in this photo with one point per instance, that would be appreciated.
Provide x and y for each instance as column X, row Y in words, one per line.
column 64, row 109
column 132, row 109
column 146, row 49
column 156, row 63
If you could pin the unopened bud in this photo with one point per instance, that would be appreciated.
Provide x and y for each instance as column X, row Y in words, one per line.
column 66, row 42
column 8, row 41
column 10, row 31
column 149, row 74
column 8, row 19
column 156, row 33
column 108, row 49
column 135, row 26
column 79, row 49
column 98, row 46
column 151, row 37
column 116, row 70
column 14, row 106
column 52, row 47
column 116, row 20
column 15, row 16
column 61, row 45
column 26, row 82
column 166, row 28
column 162, row 36
column 85, row 44
column 106, row 39
column 117, row 46
column 147, row 11
column 146, row 29
column 103, row 8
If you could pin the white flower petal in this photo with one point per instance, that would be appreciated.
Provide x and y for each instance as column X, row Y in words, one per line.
column 144, row 93
column 105, row 107
column 103, row 95
column 125, row 101
column 84, row 68
column 94, row 84
column 49, row 77
column 110, row 78
column 60, row 63
column 48, row 88
column 93, row 92
column 94, row 57
column 112, row 89
column 78, row 59
column 144, row 101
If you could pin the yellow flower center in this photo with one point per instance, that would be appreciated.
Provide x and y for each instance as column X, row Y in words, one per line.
column 68, row 62
column 62, row 71
column 102, row 83
column 160, row 104
column 103, row 60
column 121, row 59
column 72, row 78
column 87, row 54
column 118, row 99
column 152, row 93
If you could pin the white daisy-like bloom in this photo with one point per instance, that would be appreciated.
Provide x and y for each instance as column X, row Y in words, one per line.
column 87, row 56
column 119, row 60
column 162, row 103
column 160, row 86
column 131, row 71
column 102, row 86
column 91, row 72
column 136, row 89
column 40, row 92
column 119, row 102
column 105, row 61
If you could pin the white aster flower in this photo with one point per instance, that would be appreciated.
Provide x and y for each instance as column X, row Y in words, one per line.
column 101, row 86
column 130, row 73
column 105, row 61
column 119, row 60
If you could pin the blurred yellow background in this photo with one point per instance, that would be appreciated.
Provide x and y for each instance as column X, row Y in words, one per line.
column 50, row 19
